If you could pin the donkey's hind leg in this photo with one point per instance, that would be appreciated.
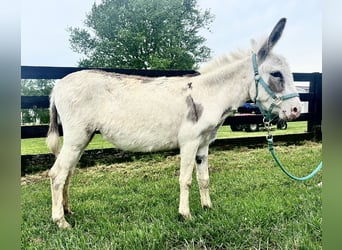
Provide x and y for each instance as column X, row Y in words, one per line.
column 66, row 207
column 203, row 176
column 60, row 176
column 61, row 172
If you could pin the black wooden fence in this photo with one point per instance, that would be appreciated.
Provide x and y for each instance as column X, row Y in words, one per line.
column 313, row 116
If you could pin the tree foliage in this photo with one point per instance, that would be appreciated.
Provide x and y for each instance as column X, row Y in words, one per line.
column 40, row 87
column 143, row 34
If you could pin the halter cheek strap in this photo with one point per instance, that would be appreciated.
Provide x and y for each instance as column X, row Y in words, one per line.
column 277, row 100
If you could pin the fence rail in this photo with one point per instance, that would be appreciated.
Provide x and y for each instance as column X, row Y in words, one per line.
column 39, row 72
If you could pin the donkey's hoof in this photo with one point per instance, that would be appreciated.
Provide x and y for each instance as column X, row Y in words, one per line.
column 207, row 206
column 184, row 217
column 68, row 211
column 63, row 224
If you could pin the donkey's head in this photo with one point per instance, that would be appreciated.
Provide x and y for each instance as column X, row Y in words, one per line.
column 274, row 90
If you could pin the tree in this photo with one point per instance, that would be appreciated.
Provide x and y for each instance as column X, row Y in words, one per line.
column 39, row 87
column 143, row 34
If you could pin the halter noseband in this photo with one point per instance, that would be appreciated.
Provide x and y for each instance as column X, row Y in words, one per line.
column 276, row 99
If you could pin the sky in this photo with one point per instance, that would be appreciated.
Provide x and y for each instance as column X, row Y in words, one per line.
column 45, row 39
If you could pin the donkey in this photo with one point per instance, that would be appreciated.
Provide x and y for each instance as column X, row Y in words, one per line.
column 151, row 114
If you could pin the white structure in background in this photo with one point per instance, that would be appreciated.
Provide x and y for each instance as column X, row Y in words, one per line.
column 303, row 87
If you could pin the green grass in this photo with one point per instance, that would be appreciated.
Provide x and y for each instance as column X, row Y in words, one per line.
column 133, row 205
column 293, row 128
column 38, row 145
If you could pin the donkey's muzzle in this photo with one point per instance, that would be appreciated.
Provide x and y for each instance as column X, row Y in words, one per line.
column 293, row 114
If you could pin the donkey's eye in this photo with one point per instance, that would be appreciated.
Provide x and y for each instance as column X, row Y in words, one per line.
column 276, row 74
column 276, row 81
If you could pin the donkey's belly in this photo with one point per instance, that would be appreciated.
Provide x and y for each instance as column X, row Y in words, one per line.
column 143, row 140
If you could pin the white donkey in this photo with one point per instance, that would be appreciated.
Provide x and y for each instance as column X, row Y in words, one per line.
column 151, row 114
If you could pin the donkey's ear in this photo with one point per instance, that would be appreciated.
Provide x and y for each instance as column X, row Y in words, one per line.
column 271, row 40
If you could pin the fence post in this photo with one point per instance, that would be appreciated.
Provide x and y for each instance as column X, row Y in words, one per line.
column 315, row 106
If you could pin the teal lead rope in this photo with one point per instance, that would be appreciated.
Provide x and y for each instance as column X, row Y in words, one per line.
column 269, row 139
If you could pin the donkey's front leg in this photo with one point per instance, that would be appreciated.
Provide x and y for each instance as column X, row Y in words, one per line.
column 187, row 152
column 203, row 176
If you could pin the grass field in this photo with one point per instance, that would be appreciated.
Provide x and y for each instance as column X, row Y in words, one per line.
column 38, row 146
column 133, row 205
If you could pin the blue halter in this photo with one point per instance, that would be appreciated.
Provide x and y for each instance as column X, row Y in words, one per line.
column 276, row 99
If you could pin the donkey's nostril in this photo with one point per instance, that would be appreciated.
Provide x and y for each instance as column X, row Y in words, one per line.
column 294, row 110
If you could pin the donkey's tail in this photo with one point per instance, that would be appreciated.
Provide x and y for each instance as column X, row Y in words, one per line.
column 52, row 139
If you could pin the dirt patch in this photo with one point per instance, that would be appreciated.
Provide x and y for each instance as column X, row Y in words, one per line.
column 34, row 178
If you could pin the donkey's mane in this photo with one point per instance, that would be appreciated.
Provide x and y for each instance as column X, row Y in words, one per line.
column 224, row 60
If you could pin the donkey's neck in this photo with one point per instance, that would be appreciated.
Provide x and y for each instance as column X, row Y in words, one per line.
column 229, row 84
